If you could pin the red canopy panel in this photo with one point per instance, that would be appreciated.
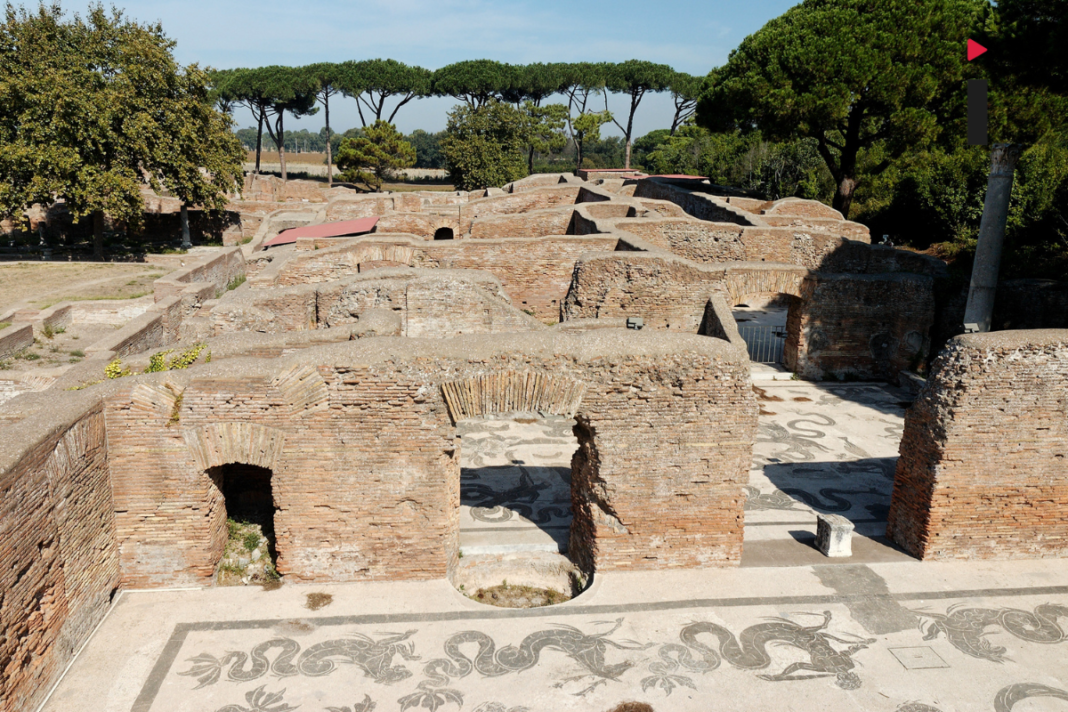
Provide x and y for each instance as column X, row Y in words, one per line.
column 334, row 229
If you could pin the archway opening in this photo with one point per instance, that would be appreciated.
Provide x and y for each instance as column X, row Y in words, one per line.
column 764, row 323
column 444, row 233
column 250, row 552
column 515, row 509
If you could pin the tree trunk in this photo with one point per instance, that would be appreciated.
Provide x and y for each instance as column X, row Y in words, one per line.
column 186, row 242
column 578, row 155
column 329, row 160
column 259, row 141
column 530, row 160
column 843, row 195
column 981, row 291
column 281, row 143
column 627, row 163
column 98, row 234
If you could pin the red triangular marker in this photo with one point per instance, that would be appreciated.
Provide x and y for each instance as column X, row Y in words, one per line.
column 975, row 49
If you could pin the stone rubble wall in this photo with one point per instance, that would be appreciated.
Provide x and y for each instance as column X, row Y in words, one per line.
column 983, row 472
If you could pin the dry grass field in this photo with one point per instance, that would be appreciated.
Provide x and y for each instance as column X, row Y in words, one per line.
column 40, row 285
column 315, row 159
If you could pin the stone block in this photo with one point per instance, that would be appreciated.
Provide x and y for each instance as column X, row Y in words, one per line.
column 834, row 535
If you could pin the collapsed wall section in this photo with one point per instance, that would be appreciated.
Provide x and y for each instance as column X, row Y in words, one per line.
column 982, row 472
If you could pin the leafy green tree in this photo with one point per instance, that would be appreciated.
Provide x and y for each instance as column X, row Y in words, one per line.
column 475, row 82
column 287, row 90
column 373, row 158
column 1028, row 100
column 222, row 95
column 685, row 91
column 587, row 127
column 635, row 78
column 327, row 78
column 374, row 81
column 93, row 108
column 848, row 74
column 535, row 83
column 427, row 148
column 647, row 144
column 484, row 146
column 580, row 82
column 546, row 129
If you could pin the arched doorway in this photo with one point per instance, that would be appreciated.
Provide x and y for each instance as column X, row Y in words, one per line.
column 444, row 233
column 517, row 441
column 764, row 323
column 248, row 499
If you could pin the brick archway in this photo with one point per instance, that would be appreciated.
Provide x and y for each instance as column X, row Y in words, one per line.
column 741, row 283
column 224, row 443
column 511, row 391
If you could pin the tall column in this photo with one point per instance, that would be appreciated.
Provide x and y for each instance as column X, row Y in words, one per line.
column 980, row 308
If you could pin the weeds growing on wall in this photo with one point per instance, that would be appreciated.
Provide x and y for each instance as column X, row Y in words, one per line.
column 159, row 362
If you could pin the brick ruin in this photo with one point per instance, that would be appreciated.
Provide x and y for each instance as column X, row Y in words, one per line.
column 339, row 371
column 983, row 472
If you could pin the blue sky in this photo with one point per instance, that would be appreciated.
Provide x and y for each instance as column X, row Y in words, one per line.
column 691, row 35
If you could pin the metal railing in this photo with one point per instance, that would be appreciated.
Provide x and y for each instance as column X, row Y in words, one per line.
column 766, row 344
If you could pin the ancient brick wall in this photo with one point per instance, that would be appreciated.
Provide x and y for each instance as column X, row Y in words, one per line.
column 536, row 224
column 860, row 325
column 536, row 272
column 58, row 563
column 666, row 292
column 439, row 308
column 696, row 204
column 15, row 338
column 695, row 240
column 511, row 204
column 434, row 303
column 982, row 472
column 366, row 464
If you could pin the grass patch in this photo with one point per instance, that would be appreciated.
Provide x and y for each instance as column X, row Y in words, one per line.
column 77, row 353
column 505, row 596
column 235, row 282
column 245, row 241
column 4, row 325
column 318, row 600
column 106, row 298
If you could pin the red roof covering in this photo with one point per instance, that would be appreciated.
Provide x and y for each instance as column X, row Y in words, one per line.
column 334, row 229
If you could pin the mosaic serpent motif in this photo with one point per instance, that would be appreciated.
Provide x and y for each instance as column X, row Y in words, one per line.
column 375, row 658
column 966, row 628
column 749, row 652
column 588, row 650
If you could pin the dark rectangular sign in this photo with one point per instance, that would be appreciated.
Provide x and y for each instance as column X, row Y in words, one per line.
column 977, row 117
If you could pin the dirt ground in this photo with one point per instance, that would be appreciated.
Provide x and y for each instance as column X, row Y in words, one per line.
column 40, row 285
